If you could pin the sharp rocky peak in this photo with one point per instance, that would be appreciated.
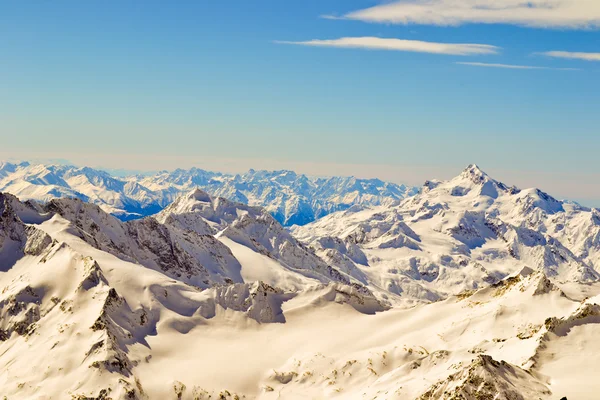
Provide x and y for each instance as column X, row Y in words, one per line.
column 475, row 174
column 199, row 195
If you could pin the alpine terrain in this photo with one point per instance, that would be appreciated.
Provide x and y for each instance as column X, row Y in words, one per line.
column 291, row 198
column 470, row 289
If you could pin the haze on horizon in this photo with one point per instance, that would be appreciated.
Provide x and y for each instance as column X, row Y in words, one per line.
column 324, row 88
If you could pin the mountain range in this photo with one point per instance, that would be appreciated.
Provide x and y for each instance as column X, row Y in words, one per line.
column 458, row 235
column 291, row 198
column 470, row 289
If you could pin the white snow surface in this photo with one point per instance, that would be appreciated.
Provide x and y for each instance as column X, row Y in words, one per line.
column 494, row 296
column 459, row 235
column 291, row 198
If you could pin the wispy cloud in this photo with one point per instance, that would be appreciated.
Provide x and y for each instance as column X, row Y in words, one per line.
column 513, row 66
column 376, row 43
column 575, row 14
column 573, row 55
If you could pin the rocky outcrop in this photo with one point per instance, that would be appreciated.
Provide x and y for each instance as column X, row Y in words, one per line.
column 257, row 300
column 486, row 378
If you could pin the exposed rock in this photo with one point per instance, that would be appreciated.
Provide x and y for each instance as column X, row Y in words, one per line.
column 487, row 379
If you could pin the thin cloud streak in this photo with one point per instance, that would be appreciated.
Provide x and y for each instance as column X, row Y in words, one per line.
column 572, row 55
column 574, row 14
column 376, row 43
column 513, row 66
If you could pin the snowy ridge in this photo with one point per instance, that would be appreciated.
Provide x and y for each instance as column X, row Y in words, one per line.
column 459, row 235
column 212, row 298
column 119, row 281
column 183, row 240
column 291, row 198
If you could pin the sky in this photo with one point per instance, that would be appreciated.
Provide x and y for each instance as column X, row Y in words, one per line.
column 400, row 90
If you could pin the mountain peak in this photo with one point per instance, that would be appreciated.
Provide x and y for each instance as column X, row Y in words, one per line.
column 475, row 174
column 488, row 185
column 199, row 195
column 190, row 201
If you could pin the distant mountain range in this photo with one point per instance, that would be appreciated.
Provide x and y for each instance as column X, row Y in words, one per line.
column 293, row 199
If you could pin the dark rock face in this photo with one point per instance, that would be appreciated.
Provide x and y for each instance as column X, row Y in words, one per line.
column 17, row 238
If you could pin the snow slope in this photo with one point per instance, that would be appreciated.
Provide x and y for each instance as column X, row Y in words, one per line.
column 459, row 235
column 215, row 299
column 289, row 197
column 90, row 290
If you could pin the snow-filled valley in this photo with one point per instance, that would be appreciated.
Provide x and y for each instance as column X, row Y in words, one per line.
column 469, row 289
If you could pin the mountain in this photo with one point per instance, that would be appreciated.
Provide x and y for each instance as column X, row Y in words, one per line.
column 291, row 198
column 195, row 240
column 459, row 235
column 43, row 183
column 495, row 294
column 90, row 289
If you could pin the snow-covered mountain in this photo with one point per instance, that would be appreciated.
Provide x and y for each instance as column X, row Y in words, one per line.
column 291, row 198
column 459, row 235
column 214, row 299
column 89, row 289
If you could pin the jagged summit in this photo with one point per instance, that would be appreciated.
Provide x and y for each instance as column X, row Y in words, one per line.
column 472, row 180
column 198, row 195
column 461, row 234
column 486, row 378
column 198, row 203
column 474, row 177
column 476, row 174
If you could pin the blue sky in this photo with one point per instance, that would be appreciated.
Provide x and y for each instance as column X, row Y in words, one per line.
column 157, row 84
